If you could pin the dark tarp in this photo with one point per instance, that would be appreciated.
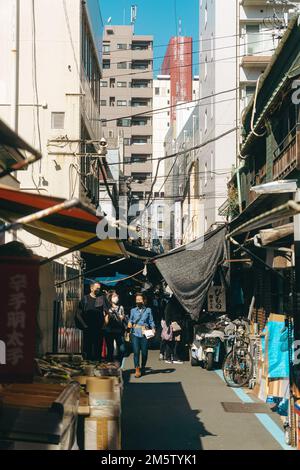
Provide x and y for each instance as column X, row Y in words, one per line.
column 189, row 270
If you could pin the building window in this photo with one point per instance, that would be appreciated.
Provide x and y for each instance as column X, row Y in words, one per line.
column 122, row 47
column 121, row 103
column 212, row 106
column 57, row 120
column 205, row 16
column 249, row 92
column 211, row 165
column 139, row 140
column 205, row 68
column 140, row 176
column 102, row 102
column 90, row 60
column 157, row 91
column 106, row 64
column 124, row 122
column 121, row 84
column 127, row 141
column 140, row 121
column 122, row 65
column 106, row 48
column 205, row 175
column 205, row 121
column 103, row 84
column 110, row 134
column 136, row 158
column 205, row 224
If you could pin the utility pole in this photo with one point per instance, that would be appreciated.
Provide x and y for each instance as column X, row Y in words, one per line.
column 297, row 269
column 15, row 65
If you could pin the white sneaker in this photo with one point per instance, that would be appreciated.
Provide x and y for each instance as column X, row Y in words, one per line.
column 177, row 362
column 169, row 362
column 161, row 357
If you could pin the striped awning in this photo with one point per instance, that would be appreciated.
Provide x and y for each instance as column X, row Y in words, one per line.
column 66, row 228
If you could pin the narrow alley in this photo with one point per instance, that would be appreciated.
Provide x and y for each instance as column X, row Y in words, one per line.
column 178, row 407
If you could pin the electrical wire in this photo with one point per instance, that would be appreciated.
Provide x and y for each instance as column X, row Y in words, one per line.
column 184, row 152
column 188, row 65
column 191, row 53
column 185, row 104
column 194, row 41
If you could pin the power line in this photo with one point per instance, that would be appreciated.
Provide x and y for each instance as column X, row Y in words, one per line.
column 185, row 107
column 185, row 151
column 188, row 65
column 154, row 111
column 155, row 46
column 193, row 52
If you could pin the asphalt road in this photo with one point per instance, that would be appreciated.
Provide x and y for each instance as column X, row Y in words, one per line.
column 178, row 407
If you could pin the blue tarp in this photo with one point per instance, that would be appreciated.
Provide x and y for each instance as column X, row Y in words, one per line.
column 277, row 353
column 108, row 281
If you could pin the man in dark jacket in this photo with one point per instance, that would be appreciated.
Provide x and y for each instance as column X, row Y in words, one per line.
column 91, row 316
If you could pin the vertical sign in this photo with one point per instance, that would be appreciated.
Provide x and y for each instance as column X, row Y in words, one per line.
column 19, row 280
column 216, row 299
column 177, row 224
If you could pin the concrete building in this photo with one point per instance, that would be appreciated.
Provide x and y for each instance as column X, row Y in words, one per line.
column 53, row 99
column 237, row 40
column 178, row 63
column 126, row 89
column 165, row 132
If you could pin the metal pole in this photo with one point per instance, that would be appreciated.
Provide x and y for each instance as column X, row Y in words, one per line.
column 40, row 215
column 297, row 269
column 15, row 65
column 70, row 250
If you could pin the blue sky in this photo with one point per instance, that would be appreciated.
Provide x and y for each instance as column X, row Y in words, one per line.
column 157, row 17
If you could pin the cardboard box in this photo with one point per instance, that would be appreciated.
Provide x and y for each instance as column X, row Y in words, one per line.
column 102, row 434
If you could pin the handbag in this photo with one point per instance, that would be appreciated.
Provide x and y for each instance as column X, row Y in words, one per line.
column 149, row 334
column 175, row 327
column 128, row 333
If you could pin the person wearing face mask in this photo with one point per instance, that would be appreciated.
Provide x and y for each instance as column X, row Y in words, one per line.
column 90, row 319
column 141, row 319
column 114, row 330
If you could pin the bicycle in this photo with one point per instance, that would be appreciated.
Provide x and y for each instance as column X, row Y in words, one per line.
column 238, row 364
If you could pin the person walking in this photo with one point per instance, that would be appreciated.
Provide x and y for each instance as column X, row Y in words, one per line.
column 140, row 321
column 115, row 324
column 90, row 319
column 174, row 321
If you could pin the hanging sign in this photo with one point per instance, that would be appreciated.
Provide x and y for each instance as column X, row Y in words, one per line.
column 216, row 299
column 19, row 280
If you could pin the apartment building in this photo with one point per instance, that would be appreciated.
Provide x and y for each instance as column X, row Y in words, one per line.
column 167, row 127
column 237, row 40
column 126, row 90
column 50, row 93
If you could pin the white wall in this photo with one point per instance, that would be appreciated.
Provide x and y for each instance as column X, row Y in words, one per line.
column 221, row 75
column 50, row 72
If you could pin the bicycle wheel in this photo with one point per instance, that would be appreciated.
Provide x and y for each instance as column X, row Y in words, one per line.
column 237, row 370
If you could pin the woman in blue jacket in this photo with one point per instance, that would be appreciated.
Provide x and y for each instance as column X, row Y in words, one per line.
column 141, row 319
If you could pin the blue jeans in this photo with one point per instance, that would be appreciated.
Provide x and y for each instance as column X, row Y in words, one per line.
column 140, row 345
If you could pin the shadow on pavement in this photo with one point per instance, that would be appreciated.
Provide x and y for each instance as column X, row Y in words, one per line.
column 158, row 416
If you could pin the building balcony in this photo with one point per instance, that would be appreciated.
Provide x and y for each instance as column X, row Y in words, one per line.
column 287, row 155
column 255, row 61
column 138, row 149
column 142, row 93
column 252, row 3
column 145, row 167
column 144, row 54
column 141, row 130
